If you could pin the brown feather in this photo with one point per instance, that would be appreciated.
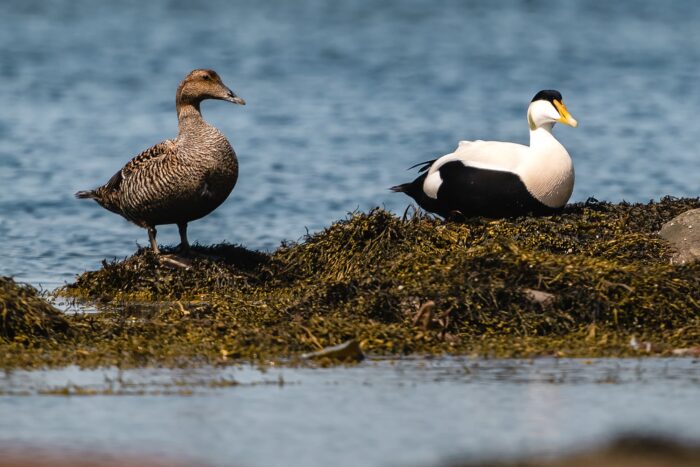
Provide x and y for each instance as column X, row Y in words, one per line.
column 180, row 180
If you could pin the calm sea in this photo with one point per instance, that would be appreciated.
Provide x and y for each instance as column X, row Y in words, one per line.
column 410, row 412
column 342, row 98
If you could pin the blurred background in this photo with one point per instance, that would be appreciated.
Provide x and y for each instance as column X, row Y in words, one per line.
column 342, row 98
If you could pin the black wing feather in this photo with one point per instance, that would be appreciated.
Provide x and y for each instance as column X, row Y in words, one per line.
column 483, row 192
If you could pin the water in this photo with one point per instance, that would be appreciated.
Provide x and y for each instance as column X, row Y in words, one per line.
column 342, row 98
column 382, row 413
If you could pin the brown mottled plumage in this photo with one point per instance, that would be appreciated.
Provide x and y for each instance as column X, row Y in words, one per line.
column 180, row 180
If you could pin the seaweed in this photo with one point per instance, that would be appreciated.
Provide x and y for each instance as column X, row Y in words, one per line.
column 399, row 285
column 25, row 315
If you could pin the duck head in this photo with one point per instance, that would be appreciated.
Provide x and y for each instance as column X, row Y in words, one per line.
column 204, row 84
column 546, row 109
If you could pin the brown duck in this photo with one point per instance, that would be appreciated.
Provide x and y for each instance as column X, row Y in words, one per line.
column 182, row 179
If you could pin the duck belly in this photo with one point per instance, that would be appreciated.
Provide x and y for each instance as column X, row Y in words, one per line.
column 180, row 197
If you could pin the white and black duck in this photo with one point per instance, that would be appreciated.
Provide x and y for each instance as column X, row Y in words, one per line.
column 179, row 180
column 499, row 179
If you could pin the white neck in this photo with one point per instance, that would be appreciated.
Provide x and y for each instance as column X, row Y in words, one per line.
column 542, row 137
column 548, row 171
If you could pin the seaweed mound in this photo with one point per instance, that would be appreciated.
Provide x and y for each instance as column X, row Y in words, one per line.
column 24, row 315
column 594, row 280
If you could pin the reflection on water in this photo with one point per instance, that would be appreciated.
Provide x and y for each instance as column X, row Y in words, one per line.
column 343, row 97
column 395, row 412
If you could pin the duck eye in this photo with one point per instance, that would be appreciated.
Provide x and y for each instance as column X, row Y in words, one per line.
column 206, row 77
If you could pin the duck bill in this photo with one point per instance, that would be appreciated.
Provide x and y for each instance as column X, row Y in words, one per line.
column 564, row 115
column 235, row 99
column 231, row 97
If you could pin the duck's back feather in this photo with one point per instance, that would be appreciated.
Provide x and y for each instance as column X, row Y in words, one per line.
column 160, row 150
column 496, row 155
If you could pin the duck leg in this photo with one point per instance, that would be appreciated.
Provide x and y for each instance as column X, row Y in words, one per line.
column 152, row 238
column 183, row 257
column 184, row 247
column 180, row 259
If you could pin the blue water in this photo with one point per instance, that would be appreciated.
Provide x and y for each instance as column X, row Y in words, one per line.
column 342, row 98
column 385, row 413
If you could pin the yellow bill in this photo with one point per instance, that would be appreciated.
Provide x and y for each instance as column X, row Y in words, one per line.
column 565, row 116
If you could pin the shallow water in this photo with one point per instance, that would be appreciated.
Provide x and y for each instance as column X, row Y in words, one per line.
column 379, row 413
column 342, row 98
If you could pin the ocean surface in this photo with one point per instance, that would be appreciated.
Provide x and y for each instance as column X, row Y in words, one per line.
column 342, row 98
column 411, row 412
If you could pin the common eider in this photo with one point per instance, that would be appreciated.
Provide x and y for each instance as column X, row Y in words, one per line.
column 178, row 180
column 498, row 179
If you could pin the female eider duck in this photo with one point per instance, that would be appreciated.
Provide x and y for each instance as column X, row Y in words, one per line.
column 178, row 180
column 498, row 179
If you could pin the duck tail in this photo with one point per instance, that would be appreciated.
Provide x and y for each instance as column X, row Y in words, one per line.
column 403, row 188
column 88, row 194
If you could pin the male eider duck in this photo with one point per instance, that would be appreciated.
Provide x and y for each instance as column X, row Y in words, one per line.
column 497, row 179
column 178, row 180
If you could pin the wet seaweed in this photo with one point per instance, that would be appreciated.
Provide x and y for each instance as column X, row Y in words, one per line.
column 603, row 268
column 25, row 315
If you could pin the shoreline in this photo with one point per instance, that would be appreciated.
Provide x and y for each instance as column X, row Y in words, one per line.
column 593, row 281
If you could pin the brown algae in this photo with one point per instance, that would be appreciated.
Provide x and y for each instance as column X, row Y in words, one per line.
column 25, row 315
column 603, row 268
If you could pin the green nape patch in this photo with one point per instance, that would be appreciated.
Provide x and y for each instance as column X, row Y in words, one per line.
column 583, row 283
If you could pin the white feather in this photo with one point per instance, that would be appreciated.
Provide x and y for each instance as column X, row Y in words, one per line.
column 431, row 184
column 545, row 166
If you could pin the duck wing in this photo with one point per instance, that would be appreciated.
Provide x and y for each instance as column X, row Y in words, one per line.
column 158, row 151
column 110, row 195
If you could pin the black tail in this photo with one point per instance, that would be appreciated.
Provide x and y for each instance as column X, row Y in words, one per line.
column 90, row 194
column 403, row 188
column 415, row 191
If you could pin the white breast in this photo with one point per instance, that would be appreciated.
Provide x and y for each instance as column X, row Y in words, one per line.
column 548, row 172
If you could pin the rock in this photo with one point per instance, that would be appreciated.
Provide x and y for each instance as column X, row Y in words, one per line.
column 538, row 296
column 348, row 351
column 683, row 233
